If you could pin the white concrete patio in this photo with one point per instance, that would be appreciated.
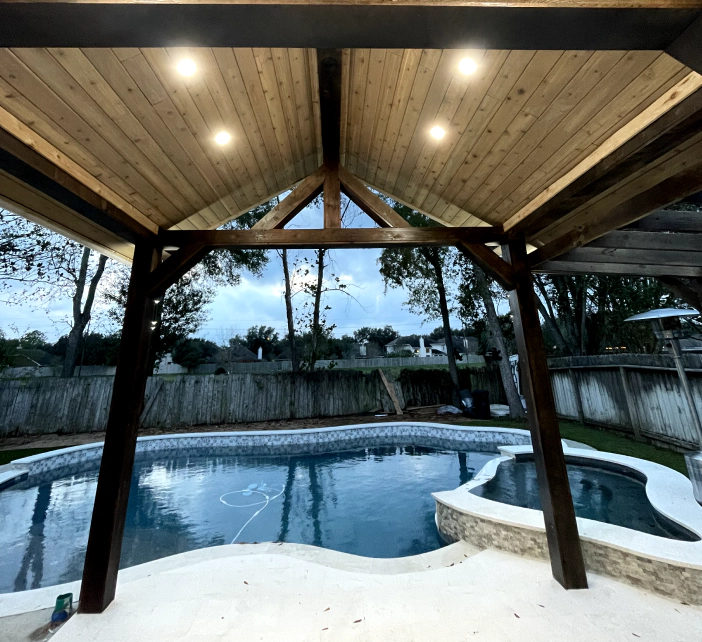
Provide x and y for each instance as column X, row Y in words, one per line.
column 291, row 592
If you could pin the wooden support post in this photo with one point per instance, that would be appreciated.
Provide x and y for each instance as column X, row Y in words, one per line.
column 575, row 382
column 110, row 509
column 630, row 405
column 567, row 563
column 332, row 198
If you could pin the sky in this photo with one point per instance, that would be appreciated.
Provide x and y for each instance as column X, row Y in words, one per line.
column 259, row 301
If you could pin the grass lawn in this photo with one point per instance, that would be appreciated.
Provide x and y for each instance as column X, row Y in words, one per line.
column 607, row 441
column 6, row 456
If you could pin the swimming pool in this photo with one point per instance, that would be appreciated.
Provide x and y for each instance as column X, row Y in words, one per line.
column 605, row 493
column 372, row 501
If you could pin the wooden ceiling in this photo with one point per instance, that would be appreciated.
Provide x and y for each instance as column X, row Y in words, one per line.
column 126, row 124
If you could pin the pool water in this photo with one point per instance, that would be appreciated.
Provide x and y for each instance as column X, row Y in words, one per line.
column 599, row 494
column 374, row 502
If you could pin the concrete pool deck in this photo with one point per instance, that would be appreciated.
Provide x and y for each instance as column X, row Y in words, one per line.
column 292, row 592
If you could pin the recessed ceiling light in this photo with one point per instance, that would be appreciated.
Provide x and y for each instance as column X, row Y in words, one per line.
column 222, row 138
column 186, row 67
column 437, row 132
column 468, row 66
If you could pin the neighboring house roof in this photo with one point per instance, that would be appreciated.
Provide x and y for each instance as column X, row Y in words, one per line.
column 31, row 357
column 240, row 353
column 407, row 341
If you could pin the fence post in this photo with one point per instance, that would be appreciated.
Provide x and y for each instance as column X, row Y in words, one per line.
column 630, row 407
column 575, row 382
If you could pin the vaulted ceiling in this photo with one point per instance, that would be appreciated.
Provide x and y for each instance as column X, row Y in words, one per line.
column 129, row 126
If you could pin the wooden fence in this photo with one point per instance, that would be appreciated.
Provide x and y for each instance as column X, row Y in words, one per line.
column 49, row 405
column 639, row 394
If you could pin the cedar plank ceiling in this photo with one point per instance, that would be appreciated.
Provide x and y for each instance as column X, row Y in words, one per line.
column 126, row 121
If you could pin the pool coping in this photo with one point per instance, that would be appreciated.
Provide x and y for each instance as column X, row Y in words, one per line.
column 45, row 597
column 265, row 442
column 669, row 492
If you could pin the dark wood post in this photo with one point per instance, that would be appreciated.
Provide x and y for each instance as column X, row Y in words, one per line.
column 110, row 509
column 566, row 554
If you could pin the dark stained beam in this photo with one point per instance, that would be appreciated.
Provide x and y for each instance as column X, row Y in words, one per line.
column 371, row 204
column 567, row 563
column 344, row 238
column 176, row 266
column 30, row 167
column 634, row 252
column 669, row 221
column 332, row 198
column 329, row 77
column 130, row 24
column 293, row 203
column 494, row 266
column 585, row 229
column 682, row 122
column 615, row 269
column 687, row 47
column 114, row 480
column 635, row 240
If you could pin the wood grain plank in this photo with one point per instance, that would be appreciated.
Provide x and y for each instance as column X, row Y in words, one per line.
column 415, row 117
column 22, row 133
column 369, row 122
column 195, row 168
column 236, row 86
column 292, row 166
column 493, row 106
column 567, row 146
column 18, row 111
column 244, row 160
column 360, row 64
column 488, row 148
column 391, row 73
column 463, row 130
column 81, row 115
column 217, row 113
column 21, row 199
column 408, row 72
column 186, row 110
column 75, row 62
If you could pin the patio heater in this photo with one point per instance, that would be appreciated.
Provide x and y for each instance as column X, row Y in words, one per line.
column 667, row 327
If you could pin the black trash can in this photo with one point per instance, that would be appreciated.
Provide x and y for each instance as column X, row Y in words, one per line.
column 481, row 404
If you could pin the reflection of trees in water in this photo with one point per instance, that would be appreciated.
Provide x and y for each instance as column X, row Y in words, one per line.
column 463, row 474
column 315, row 503
column 287, row 500
column 34, row 553
column 154, row 530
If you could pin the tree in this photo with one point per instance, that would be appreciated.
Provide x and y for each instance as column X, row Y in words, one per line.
column 424, row 271
column 586, row 314
column 477, row 292
column 193, row 352
column 97, row 349
column 263, row 337
column 39, row 265
column 181, row 312
column 289, row 312
column 375, row 338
